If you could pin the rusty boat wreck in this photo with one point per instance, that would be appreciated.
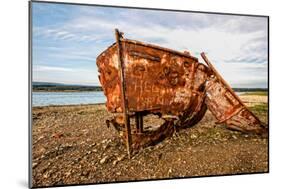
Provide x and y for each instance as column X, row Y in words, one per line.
column 140, row 79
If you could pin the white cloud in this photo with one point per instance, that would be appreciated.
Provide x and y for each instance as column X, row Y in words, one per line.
column 39, row 68
column 244, row 74
column 236, row 45
column 65, row 75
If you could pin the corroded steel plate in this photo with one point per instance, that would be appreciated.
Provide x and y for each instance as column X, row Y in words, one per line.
column 227, row 107
column 157, row 79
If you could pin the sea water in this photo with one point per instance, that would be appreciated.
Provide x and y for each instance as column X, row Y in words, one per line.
column 67, row 98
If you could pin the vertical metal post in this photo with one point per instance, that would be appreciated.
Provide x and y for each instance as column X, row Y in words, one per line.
column 141, row 122
column 123, row 92
column 137, row 122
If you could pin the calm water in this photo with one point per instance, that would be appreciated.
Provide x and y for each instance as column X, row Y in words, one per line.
column 70, row 98
column 67, row 98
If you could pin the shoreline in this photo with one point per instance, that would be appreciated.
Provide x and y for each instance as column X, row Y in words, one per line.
column 66, row 105
column 59, row 91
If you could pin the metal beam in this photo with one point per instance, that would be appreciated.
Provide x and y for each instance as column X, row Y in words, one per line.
column 123, row 92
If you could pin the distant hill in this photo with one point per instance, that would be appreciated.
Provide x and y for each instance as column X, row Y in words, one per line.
column 37, row 83
column 55, row 87
column 249, row 89
column 48, row 86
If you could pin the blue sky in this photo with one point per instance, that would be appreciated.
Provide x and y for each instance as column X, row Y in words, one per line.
column 68, row 38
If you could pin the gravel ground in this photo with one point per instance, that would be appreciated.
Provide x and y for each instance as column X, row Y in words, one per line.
column 72, row 145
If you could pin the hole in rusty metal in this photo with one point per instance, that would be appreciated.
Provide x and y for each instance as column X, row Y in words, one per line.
column 152, row 122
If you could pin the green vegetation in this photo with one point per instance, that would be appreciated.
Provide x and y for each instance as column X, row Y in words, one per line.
column 260, row 108
column 64, row 88
column 61, row 87
column 250, row 89
column 257, row 93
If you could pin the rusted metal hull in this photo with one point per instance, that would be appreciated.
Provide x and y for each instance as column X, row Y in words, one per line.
column 140, row 79
column 157, row 80
column 227, row 107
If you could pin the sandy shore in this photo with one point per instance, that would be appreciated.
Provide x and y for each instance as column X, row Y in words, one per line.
column 72, row 145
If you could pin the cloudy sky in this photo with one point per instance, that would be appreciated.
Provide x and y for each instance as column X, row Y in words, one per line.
column 68, row 38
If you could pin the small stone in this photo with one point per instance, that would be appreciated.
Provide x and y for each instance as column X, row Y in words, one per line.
column 161, row 145
column 103, row 160
column 115, row 162
column 193, row 136
column 194, row 151
column 34, row 165
column 88, row 139
column 118, row 173
column 68, row 173
column 233, row 136
column 85, row 173
column 94, row 150
column 120, row 158
column 92, row 145
column 77, row 160
column 105, row 146
column 42, row 150
column 85, row 131
column 46, row 175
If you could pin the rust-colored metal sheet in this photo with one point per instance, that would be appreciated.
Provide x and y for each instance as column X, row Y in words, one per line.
column 227, row 107
column 157, row 79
